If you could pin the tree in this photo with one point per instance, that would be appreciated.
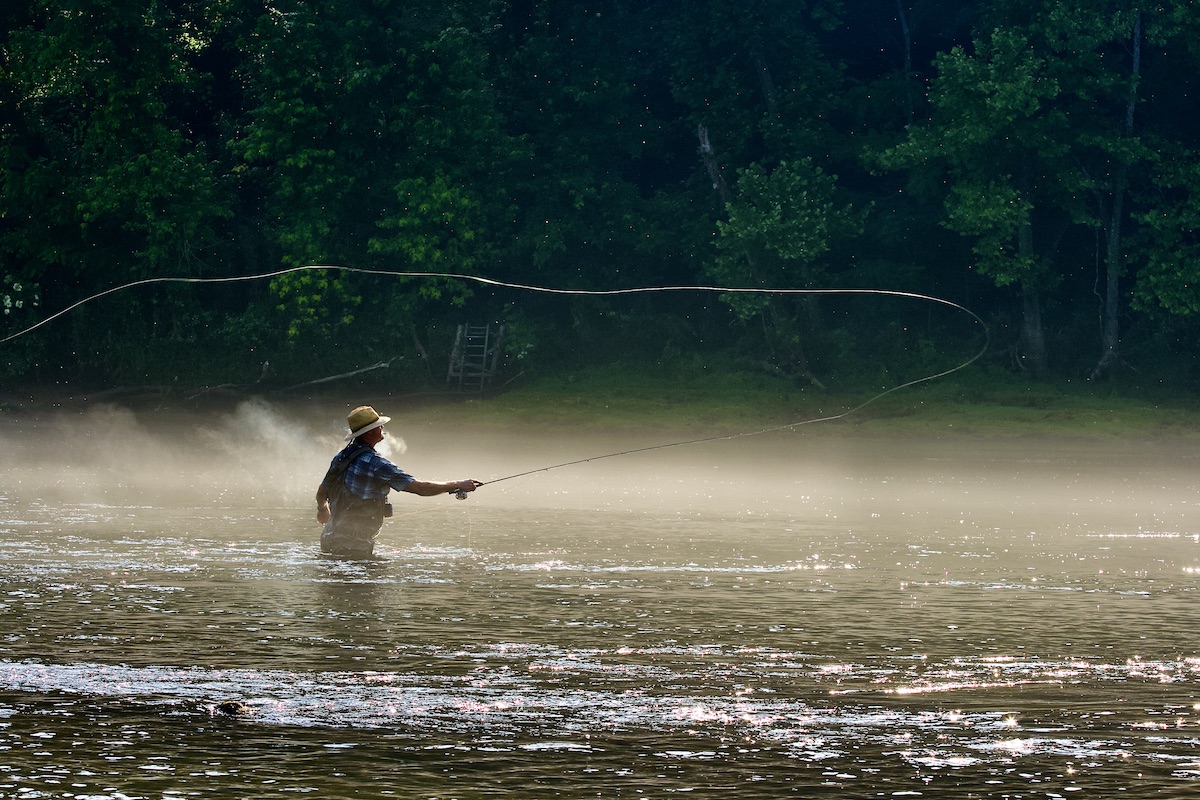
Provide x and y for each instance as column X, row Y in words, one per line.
column 1169, row 242
column 103, row 179
column 1124, row 154
column 96, row 88
column 780, row 225
column 755, row 75
column 1030, row 137
column 752, row 79
column 1167, row 209
column 582, row 106
column 371, row 132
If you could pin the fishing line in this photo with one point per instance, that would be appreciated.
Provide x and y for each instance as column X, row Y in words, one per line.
column 787, row 426
column 586, row 293
column 487, row 282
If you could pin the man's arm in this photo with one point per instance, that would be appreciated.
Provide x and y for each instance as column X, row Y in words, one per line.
column 322, row 504
column 431, row 488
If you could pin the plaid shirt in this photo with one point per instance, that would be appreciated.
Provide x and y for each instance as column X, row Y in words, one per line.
column 370, row 476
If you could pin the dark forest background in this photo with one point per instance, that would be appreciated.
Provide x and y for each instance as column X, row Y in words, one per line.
column 1036, row 161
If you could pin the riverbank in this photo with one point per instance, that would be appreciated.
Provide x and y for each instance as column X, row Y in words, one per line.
column 611, row 399
column 911, row 411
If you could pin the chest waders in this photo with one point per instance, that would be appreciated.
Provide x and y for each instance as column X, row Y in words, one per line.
column 354, row 522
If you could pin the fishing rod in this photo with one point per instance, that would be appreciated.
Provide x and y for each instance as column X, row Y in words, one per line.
column 788, row 426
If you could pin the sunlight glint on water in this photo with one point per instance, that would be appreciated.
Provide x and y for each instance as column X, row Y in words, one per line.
column 796, row 615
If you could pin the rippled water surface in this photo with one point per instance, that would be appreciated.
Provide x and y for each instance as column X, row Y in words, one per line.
column 793, row 615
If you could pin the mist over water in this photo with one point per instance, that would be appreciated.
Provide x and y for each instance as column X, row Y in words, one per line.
column 809, row 611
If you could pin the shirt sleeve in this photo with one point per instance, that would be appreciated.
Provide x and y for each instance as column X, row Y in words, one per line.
column 389, row 473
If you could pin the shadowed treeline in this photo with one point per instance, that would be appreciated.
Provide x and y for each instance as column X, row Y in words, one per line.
column 1033, row 160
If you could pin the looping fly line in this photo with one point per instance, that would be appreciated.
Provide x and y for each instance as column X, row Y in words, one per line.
column 588, row 293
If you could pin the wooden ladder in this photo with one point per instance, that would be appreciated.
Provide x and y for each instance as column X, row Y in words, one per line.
column 476, row 356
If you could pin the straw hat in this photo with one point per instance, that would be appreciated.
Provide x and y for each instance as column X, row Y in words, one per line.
column 363, row 419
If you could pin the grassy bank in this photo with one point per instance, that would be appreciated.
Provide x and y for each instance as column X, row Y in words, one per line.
column 719, row 402
column 725, row 402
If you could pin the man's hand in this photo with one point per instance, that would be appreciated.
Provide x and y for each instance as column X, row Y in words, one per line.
column 323, row 513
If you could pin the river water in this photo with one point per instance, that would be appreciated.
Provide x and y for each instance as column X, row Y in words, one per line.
column 799, row 614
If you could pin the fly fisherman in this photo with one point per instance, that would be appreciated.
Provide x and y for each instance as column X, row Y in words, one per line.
column 352, row 498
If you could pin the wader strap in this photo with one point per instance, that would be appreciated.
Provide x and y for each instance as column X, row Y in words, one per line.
column 335, row 479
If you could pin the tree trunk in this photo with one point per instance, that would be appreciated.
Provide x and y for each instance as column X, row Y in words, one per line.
column 710, row 164
column 1033, row 340
column 906, row 42
column 1110, row 337
column 766, row 83
column 1110, row 334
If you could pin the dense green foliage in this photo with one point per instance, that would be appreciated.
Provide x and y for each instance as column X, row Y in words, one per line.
column 1034, row 160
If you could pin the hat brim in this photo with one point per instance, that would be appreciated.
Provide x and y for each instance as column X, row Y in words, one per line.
column 379, row 423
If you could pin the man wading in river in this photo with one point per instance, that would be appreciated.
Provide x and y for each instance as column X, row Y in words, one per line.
column 352, row 498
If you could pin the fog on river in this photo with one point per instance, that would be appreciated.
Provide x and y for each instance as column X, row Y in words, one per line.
column 273, row 456
column 811, row 608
